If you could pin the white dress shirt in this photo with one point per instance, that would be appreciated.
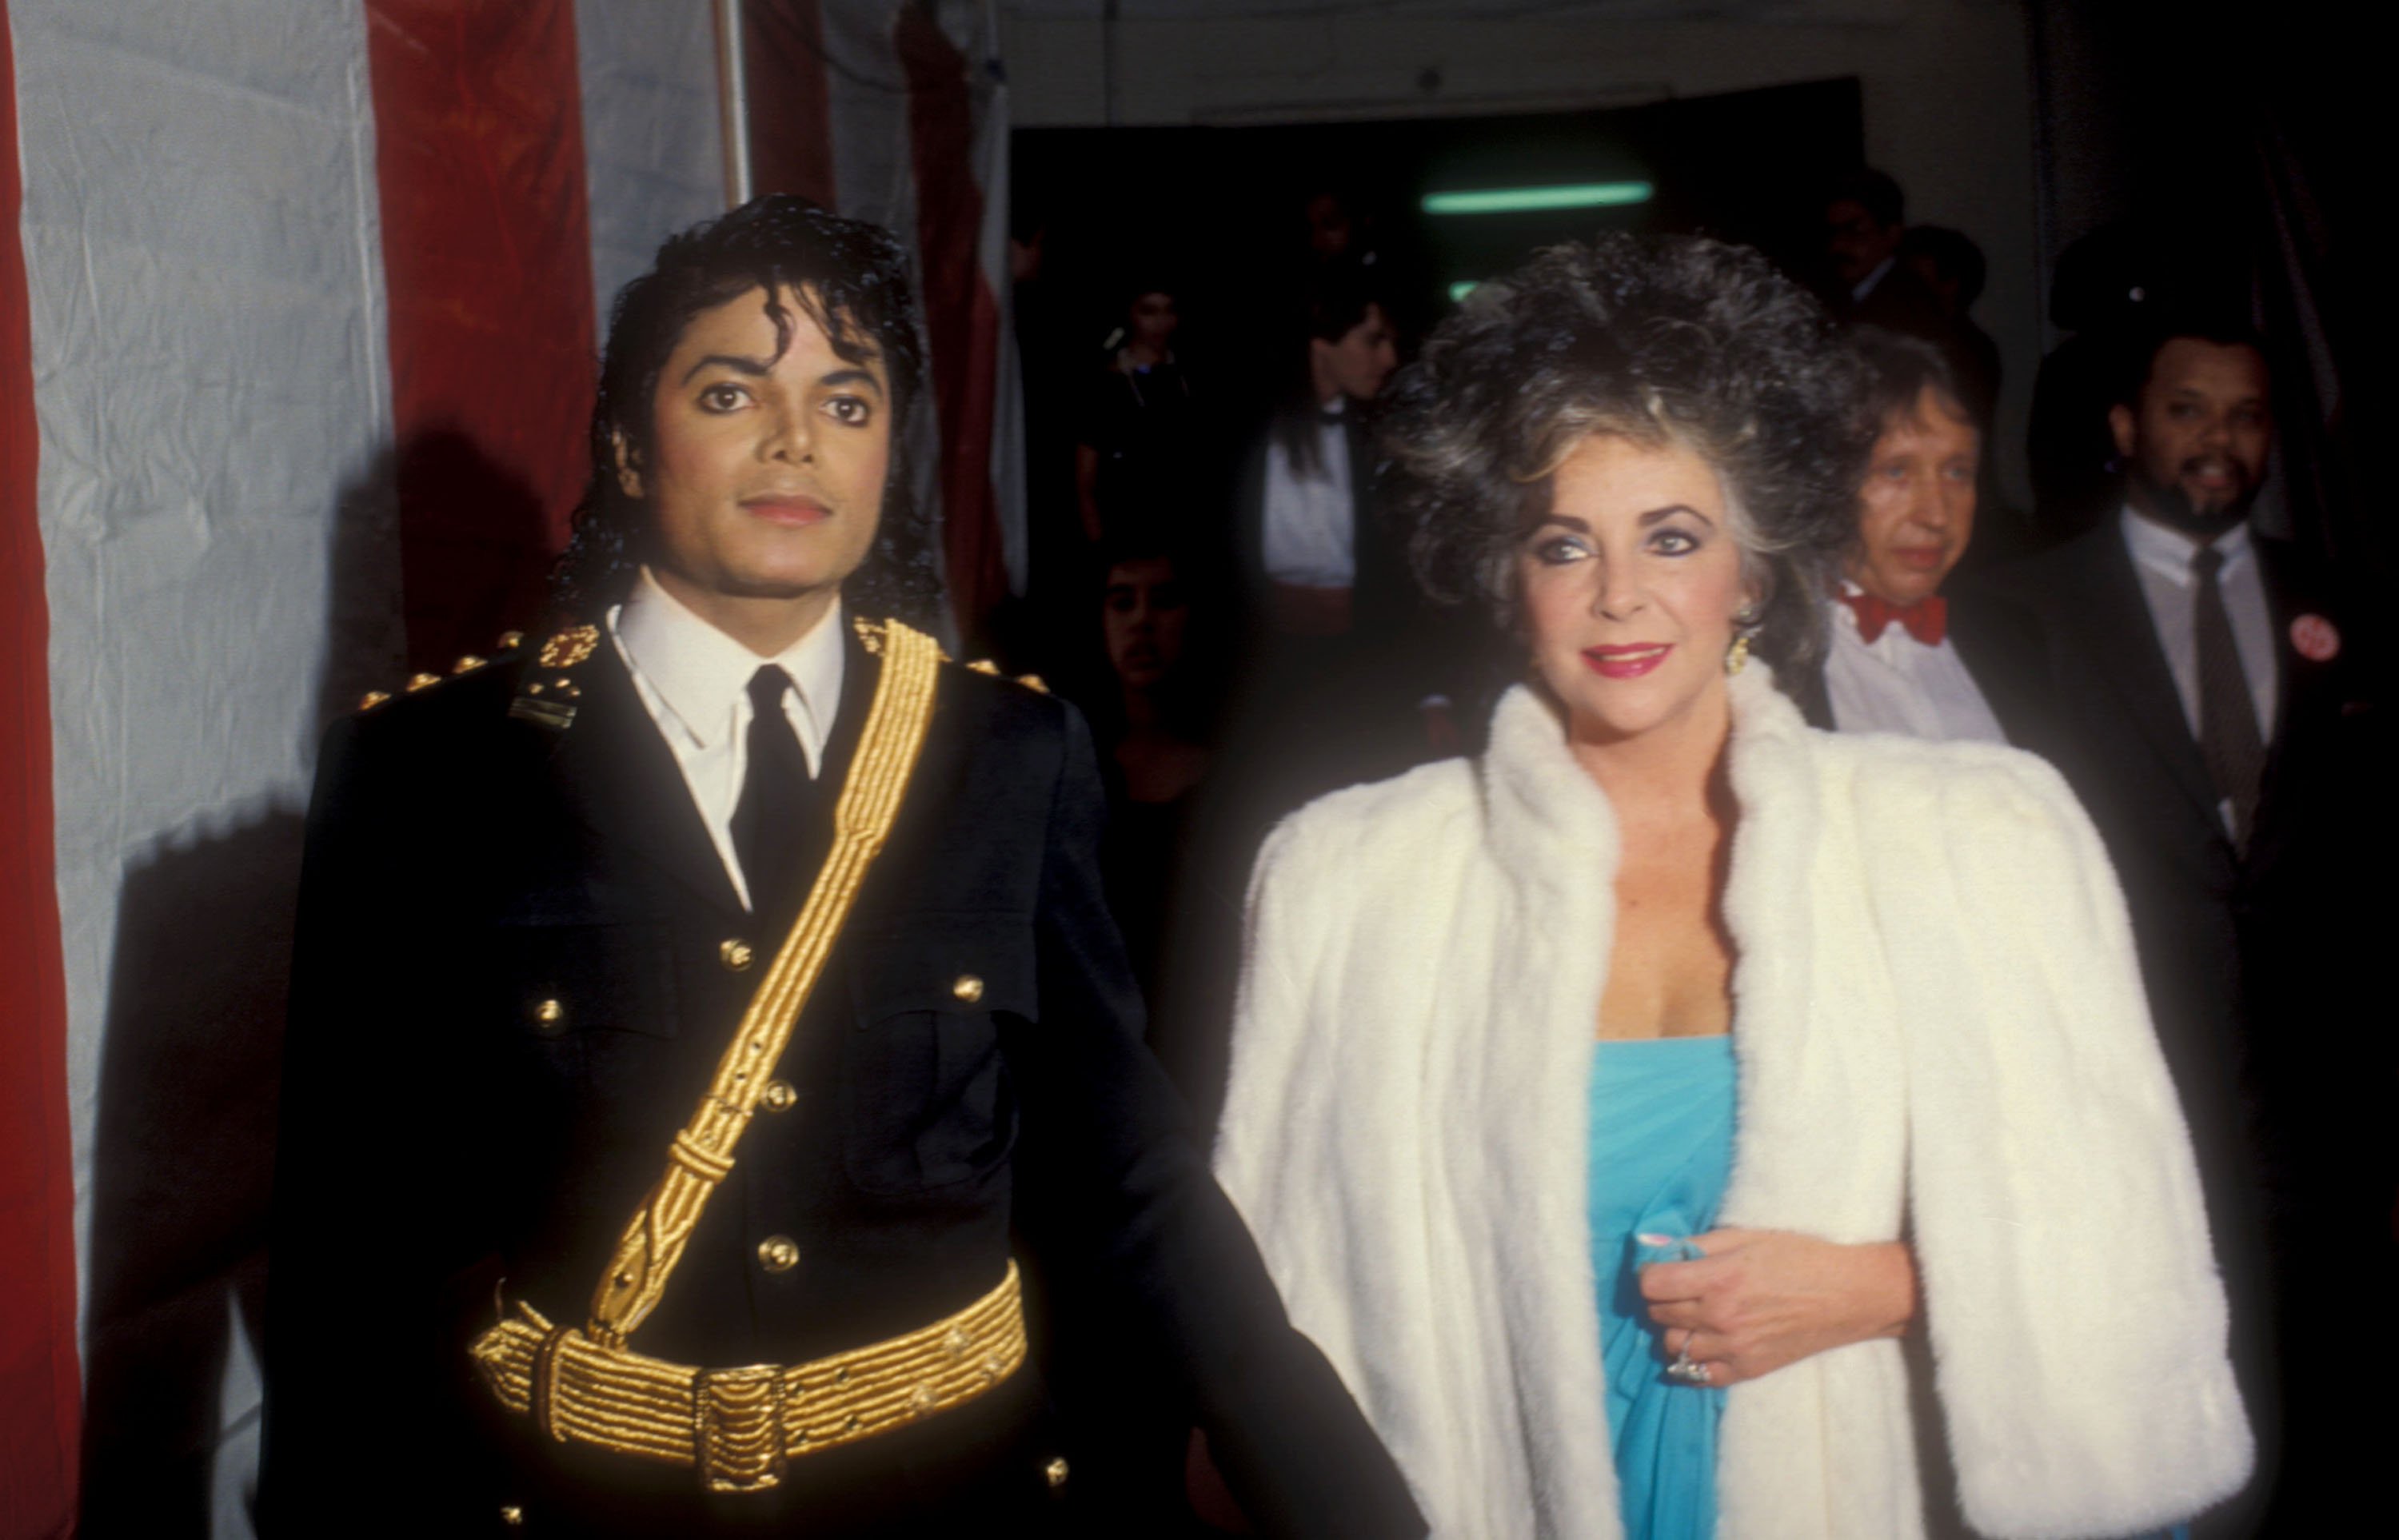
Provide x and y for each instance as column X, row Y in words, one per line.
column 1897, row 684
column 695, row 682
column 1866, row 285
column 1310, row 520
column 2162, row 559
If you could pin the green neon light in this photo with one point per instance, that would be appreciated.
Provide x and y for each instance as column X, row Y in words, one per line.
column 1457, row 291
column 1521, row 200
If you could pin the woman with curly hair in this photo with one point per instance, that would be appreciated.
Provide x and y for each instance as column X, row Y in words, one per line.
column 1612, row 1107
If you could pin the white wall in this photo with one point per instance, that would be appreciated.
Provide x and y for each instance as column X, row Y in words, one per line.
column 1946, row 86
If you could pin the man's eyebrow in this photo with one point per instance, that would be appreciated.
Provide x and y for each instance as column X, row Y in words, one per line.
column 853, row 377
column 754, row 368
column 759, row 367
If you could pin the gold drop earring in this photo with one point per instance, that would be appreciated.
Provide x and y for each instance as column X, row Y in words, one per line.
column 1744, row 622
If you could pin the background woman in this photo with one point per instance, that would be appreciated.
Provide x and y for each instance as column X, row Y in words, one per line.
column 1843, row 990
column 1141, row 424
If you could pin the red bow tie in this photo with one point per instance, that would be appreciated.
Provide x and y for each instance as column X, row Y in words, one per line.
column 1927, row 619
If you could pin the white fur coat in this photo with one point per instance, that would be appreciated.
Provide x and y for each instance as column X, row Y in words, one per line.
column 1939, row 1029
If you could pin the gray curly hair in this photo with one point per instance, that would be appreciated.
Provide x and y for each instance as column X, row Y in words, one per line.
column 1663, row 340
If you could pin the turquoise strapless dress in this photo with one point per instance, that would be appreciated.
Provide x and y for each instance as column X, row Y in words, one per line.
column 1662, row 1116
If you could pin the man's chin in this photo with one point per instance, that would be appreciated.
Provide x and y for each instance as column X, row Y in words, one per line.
column 775, row 587
column 2203, row 519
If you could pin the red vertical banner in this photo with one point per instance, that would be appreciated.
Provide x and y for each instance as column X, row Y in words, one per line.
column 487, row 268
column 789, row 120
column 40, row 1383
column 961, row 312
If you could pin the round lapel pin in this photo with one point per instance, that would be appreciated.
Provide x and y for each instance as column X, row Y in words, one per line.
column 2315, row 637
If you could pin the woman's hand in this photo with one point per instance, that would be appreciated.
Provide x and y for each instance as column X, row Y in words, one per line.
column 1756, row 1300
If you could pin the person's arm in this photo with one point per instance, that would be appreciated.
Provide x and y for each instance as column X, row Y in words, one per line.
column 377, row 1177
column 1087, row 491
column 1113, row 1182
column 2072, row 1297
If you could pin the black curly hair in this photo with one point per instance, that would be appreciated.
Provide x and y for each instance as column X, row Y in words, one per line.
column 1676, row 340
column 852, row 279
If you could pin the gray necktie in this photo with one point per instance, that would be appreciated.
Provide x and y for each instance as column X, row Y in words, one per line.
column 2228, row 739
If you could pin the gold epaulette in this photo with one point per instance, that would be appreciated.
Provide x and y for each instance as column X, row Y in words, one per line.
column 467, row 664
column 548, row 695
column 870, row 634
column 986, row 665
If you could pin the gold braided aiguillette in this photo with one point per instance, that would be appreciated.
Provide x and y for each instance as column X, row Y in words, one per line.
column 702, row 1152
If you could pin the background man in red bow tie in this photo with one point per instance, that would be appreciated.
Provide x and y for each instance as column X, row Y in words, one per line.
column 1900, row 658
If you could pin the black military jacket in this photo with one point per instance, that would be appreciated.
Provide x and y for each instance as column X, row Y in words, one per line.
column 519, row 960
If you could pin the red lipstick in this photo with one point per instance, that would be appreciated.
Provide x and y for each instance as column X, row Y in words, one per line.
column 1626, row 662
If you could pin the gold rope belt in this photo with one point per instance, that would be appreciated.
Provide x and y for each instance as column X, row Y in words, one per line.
column 740, row 1426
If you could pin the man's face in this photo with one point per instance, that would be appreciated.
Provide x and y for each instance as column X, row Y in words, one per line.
column 1857, row 242
column 764, row 474
column 2195, row 443
column 1916, row 510
column 1364, row 357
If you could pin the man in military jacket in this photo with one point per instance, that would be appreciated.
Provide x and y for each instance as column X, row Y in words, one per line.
column 573, row 1234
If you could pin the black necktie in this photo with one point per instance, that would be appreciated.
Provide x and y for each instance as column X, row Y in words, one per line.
column 2228, row 739
column 770, row 820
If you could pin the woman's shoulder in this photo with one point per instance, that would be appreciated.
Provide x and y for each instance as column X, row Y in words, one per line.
column 1967, row 792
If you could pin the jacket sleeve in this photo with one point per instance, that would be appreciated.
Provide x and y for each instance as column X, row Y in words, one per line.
column 1109, row 1179
column 2077, row 1322
column 374, row 1220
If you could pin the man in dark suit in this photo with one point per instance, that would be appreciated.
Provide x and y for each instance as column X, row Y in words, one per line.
column 700, row 1015
column 1866, row 218
column 2212, row 702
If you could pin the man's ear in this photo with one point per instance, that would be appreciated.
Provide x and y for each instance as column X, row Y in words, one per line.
column 2124, row 426
column 629, row 472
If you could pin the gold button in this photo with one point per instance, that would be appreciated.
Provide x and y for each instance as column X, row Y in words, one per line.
column 422, row 681
column 777, row 1096
column 549, row 1015
column 512, row 641
column 968, row 988
column 511, row 1516
column 373, row 698
column 735, row 953
column 468, row 664
column 779, row 1253
column 1055, row 1472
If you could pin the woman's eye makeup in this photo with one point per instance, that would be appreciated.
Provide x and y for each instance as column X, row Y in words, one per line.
column 1673, row 540
column 1556, row 550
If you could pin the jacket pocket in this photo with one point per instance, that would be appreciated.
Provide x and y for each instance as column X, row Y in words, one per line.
column 926, row 1100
